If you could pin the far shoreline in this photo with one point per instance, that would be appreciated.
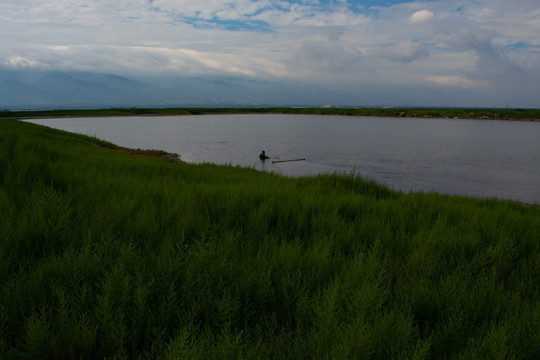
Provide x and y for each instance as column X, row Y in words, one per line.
column 429, row 113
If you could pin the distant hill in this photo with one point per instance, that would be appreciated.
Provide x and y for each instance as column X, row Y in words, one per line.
column 55, row 89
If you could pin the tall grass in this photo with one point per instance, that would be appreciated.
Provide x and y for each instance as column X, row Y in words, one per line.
column 105, row 255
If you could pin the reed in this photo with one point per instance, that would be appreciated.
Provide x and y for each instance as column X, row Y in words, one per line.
column 107, row 255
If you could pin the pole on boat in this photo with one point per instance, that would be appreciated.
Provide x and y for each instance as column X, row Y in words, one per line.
column 280, row 161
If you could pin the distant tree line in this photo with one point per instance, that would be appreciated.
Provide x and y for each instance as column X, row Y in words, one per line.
column 461, row 113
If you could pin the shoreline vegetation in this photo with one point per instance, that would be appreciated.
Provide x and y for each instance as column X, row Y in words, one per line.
column 481, row 114
column 152, row 153
column 108, row 255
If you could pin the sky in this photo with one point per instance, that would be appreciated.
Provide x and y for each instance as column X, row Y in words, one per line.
column 396, row 52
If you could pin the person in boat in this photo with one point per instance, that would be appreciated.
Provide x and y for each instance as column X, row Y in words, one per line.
column 263, row 156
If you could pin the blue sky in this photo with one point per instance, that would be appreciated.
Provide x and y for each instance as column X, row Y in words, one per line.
column 456, row 53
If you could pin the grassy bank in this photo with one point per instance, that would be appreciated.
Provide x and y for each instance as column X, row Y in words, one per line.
column 492, row 114
column 107, row 255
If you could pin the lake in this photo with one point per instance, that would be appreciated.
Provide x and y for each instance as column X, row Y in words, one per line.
column 482, row 158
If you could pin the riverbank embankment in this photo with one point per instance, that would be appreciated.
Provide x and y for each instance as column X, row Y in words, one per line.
column 107, row 255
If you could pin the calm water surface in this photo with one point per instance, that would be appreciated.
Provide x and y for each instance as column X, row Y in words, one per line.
column 468, row 157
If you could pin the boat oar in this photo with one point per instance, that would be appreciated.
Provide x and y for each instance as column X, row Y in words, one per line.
column 280, row 161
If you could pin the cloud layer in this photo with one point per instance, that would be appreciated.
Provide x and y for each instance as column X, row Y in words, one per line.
column 490, row 48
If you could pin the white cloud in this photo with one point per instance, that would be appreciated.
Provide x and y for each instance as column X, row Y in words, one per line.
column 421, row 16
column 406, row 52
column 20, row 62
column 458, row 81
column 326, row 57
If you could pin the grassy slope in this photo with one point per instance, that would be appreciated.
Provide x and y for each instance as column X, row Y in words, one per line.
column 107, row 255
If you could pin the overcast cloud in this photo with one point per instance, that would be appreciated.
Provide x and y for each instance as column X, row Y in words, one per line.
column 487, row 49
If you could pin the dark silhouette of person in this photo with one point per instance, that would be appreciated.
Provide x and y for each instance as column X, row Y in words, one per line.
column 263, row 156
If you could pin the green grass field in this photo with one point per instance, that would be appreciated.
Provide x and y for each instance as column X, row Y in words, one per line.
column 108, row 255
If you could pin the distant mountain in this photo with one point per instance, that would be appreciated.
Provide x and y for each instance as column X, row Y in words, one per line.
column 80, row 90
column 55, row 89
column 235, row 91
